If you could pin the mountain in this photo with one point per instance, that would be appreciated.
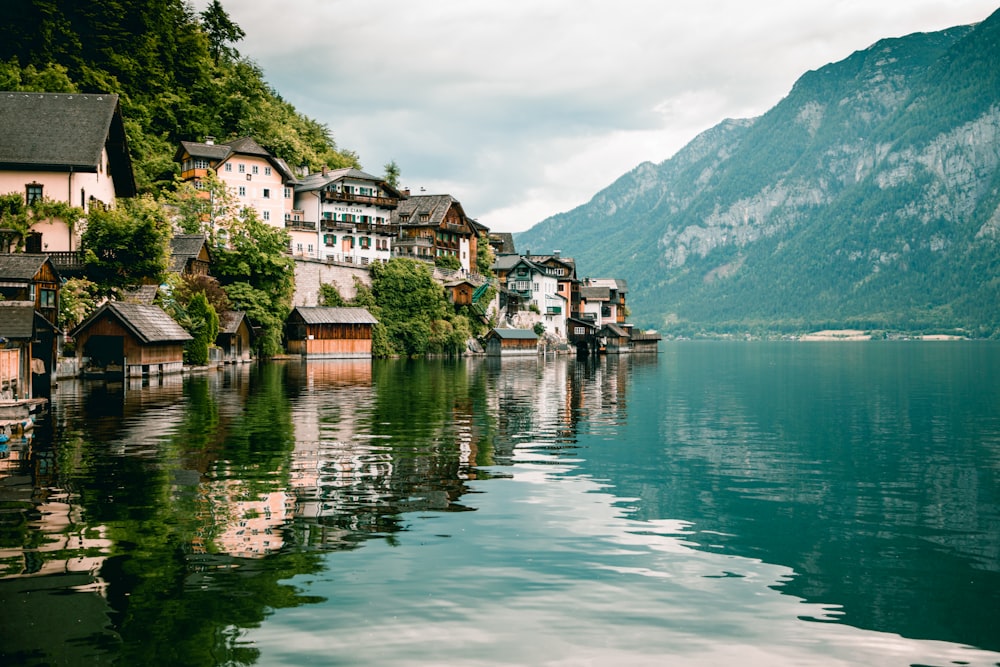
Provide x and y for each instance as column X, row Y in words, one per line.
column 866, row 198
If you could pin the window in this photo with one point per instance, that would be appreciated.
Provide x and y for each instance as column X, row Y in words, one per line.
column 201, row 163
column 254, row 169
column 329, row 239
column 298, row 247
column 310, row 248
column 267, row 171
column 33, row 193
column 47, row 298
column 267, row 193
column 243, row 191
column 267, row 215
column 425, row 217
column 242, row 168
column 229, row 167
column 288, row 193
column 365, row 242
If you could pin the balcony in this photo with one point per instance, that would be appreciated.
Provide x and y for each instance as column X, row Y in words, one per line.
column 351, row 198
column 300, row 226
column 373, row 228
column 336, row 226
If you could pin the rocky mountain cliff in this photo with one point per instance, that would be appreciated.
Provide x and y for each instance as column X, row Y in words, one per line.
column 867, row 198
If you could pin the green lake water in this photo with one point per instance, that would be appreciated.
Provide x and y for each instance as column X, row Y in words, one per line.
column 716, row 504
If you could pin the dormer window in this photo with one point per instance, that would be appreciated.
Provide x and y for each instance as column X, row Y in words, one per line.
column 425, row 217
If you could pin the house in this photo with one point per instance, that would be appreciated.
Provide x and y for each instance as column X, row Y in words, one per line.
column 502, row 243
column 348, row 214
column 27, row 351
column 31, row 277
column 67, row 148
column 533, row 287
column 257, row 179
column 583, row 335
column 616, row 339
column 511, row 342
column 564, row 269
column 645, row 342
column 602, row 301
column 235, row 337
column 130, row 340
column 432, row 226
column 460, row 291
column 330, row 333
column 189, row 255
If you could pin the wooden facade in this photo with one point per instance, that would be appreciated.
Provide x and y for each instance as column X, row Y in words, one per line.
column 330, row 333
column 130, row 340
column 31, row 277
column 511, row 342
column 235, row 338
column 27, row 351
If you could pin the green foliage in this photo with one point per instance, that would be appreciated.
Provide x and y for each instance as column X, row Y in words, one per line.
column 18, row 217
column 392, row 174
column 448, row 262
column 126, row 246
column 330, row 296
column 179, row 76
column 539, row 329
column 204, row 327
column 414, row 311
column 77, row 300
column 264, row 311
column 485, row 257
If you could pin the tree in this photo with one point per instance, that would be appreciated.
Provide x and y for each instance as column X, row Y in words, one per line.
column 126, row 246
column 221, row 31
column 257, row 275
column 204, row 327
column 448, row 262
column 392, row 173
column 77, row 300
column 485, row 257
column 330, row 296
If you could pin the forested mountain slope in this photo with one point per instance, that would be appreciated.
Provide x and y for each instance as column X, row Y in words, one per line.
column 178, row 74
column 867, row 198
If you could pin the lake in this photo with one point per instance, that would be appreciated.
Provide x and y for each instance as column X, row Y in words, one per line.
column 717, row 504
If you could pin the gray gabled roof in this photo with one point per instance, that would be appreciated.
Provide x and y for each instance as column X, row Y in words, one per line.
column 320, row 180
column 22, row 266
column 329, row 315
column 219, row 152
column 150, row 324
column 17, row 319
column 65, row 132
column 515, row 334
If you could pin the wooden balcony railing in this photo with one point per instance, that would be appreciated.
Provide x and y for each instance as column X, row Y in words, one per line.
column 351, row 198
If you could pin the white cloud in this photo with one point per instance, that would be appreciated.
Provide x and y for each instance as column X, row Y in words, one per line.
column 526, row 108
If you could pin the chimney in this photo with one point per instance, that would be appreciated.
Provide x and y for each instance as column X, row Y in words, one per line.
column 405, row 193
column 210, row 140
column 326, row 170
column 555, row 253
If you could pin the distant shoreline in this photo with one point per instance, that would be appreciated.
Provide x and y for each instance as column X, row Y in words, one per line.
column 858, row 335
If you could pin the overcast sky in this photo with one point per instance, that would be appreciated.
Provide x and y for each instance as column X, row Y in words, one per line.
column 522, row 109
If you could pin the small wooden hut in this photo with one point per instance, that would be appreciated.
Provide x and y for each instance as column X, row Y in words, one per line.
column 130, row 340
column 235, row 337
column 511, row 342
column 330, row 333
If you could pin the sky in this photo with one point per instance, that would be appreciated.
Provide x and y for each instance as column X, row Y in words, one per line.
column 522, row 109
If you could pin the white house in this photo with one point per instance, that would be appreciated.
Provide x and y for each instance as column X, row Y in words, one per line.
column 349, row 213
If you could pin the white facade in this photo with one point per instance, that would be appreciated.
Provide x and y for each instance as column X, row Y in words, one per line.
column 346, row 214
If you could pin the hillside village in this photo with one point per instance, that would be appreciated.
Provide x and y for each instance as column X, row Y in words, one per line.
column 72, row 149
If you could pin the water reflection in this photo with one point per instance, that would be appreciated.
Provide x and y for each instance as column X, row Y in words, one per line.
column 161, row 522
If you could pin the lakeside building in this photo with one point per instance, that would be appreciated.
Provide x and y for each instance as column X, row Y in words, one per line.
column 64, row 148
column 432, row 226
column 344, row 215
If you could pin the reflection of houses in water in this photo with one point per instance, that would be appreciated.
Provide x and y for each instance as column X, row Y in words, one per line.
column 246, row 523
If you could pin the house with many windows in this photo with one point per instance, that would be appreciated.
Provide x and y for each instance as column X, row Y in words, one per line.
column 534, row 288
column 66, row 148
column 348, row 214
column 432, row 226
column 254, row 177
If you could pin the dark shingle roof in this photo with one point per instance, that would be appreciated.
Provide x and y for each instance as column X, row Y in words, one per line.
column 184, row 247
column 21, row 265
column 229, row 321
column 150, row 324
column 328, row 315
column 16, row 319
column 63, row 132
column 595, row 293
column 435, row 206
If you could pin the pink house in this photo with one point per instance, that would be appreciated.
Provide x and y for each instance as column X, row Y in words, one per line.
column 66, row 148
